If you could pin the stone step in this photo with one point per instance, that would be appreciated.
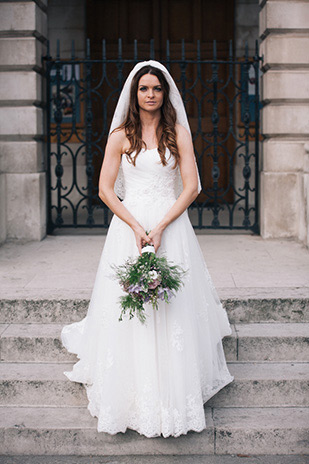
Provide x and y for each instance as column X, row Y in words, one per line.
column 197, row 459
column 241, row 309
column 264, row 384
column 67, row 431
column 248, row 342
column 255, row 384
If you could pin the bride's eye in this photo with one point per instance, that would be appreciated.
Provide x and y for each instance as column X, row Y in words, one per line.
column 143, row 88
column 158, row 89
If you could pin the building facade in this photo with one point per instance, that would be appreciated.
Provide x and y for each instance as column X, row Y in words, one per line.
column 283, row 30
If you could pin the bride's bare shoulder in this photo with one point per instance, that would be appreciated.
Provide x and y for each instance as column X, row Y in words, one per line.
column 118, row 140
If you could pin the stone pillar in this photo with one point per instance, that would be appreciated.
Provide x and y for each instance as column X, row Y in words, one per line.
column 306, row 195
column 284, row 32
column 23, row 31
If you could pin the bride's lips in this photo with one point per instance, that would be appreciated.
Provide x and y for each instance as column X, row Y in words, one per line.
column 151, row 103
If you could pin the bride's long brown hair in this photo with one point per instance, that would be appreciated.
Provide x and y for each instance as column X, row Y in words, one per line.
column 166, row 131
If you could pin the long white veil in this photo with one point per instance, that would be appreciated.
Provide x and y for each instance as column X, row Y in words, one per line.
column 121, row 113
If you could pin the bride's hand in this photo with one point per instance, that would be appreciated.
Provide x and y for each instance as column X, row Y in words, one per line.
column 141, row 237
column 155, row 236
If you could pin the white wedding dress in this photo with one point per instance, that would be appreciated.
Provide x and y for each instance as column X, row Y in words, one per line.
column 152, row 378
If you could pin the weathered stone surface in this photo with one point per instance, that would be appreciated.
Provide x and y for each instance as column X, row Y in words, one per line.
column 64, row 267
column 72, row 310
column 284, row 50
column 21, row 120
column 21, row 51
column 283, row 156
column 34, row 342
column 230, row 345
column 29, row 220
column 273, row 342
column 221, row 459
column 238, row 430
column 267, row 309
column 21, row 157
column 22, row 16
column 264, row 384
column 304, row 222
column 70, row 17
column 42, row 343
column 255, row 384
column 38, row 384
column 46, row 311
column 261, row 430
column 246, row 26
column 274, row 211
column 2, row 206
column 285, row 84
column 286, row 119
column 284, row 15
column 284, row 29
column 52, row 430
column 247, row 14
column 20, row 85
column 66, row 24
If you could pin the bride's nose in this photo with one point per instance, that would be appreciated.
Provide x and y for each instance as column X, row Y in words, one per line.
column 150, row 93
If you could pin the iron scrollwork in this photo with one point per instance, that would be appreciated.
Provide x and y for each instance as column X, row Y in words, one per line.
column 221, row 97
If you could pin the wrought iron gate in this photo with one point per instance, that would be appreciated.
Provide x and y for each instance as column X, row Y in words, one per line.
column 222, row 101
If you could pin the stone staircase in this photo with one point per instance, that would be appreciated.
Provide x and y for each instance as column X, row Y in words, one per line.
column 265, row 411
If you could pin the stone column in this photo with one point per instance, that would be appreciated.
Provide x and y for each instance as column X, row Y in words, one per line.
column 23, row 30
column 306, row 195
column 284, row 31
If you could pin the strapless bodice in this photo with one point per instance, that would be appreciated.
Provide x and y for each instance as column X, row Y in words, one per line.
column 149, row 181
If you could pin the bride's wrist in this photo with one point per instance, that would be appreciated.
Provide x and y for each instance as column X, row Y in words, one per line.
column 162, row 226
column 135, row 227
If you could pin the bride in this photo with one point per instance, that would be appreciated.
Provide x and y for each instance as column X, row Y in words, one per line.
column 155, row 377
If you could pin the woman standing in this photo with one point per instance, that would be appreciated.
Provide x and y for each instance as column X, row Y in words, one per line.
column 152, row 378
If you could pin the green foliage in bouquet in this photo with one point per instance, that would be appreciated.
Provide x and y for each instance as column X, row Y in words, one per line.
column 147, row 279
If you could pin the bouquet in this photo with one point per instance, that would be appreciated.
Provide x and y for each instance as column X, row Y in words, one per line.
column 147, row 279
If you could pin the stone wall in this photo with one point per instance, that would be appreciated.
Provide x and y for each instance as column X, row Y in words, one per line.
column 23, row 32
column 24, row 27
column 246, row 26
column 284, row 31
column 67, row 21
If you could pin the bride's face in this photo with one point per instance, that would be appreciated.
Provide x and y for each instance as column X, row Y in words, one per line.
column 149, row 93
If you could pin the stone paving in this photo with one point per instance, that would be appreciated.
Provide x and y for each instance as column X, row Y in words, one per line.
column 240, row 265
column 244, row 459
column 265, row 286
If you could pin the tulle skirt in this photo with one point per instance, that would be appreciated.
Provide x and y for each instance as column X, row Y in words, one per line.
column 152, row 378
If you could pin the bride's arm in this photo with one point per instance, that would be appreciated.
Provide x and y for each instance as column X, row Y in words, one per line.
column 190, row 184
column 108, row 175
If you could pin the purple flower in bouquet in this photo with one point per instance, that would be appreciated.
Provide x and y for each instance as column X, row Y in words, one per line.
column 135, row 288
column 165, row 291
column 147, row 279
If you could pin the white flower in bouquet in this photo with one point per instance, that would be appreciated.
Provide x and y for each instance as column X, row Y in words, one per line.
column 147, row 279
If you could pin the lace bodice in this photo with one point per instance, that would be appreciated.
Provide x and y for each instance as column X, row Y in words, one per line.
column 149, row 181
